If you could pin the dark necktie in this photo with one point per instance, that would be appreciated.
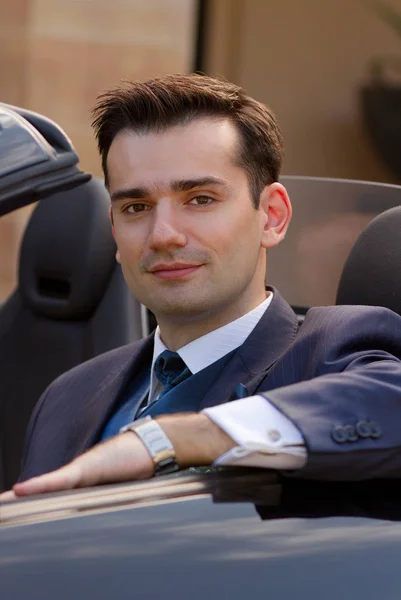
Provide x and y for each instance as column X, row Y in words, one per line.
column 170, row 370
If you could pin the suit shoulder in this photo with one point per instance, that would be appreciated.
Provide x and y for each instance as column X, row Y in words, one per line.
column 345, row 313
column 103, row 362
column 346, row 320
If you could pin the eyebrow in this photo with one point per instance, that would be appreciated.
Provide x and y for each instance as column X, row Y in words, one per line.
column 180, row 185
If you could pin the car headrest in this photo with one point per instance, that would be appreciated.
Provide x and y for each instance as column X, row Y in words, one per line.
column 68, row 253
column 36, row 159
column 371, row 272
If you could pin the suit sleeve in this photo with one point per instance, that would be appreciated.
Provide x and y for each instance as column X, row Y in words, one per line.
column 31, row 428
column 345, row 392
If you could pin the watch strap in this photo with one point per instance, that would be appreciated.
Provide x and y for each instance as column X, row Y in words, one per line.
column 157, row 443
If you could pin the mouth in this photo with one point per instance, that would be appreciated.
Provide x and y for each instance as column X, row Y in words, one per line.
column 173, row 271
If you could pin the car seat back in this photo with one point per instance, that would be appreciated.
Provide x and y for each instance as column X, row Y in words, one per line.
column 70, row 305
column 370, row 274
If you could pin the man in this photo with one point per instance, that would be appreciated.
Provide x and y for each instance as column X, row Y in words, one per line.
column 192, row 166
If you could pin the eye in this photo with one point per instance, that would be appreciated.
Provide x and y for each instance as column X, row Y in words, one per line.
column 201, row 200
column 136, row 207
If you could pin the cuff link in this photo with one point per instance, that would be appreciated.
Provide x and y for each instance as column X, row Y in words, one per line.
column 273, row 435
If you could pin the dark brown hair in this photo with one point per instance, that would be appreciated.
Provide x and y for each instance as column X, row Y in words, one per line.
column 161, row 103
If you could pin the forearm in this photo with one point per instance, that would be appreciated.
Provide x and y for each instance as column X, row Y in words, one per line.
column 196, row 439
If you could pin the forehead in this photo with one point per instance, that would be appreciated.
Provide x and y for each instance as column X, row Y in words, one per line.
column 184, row 151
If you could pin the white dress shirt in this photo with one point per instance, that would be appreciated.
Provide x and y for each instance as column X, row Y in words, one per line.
column 265, row 437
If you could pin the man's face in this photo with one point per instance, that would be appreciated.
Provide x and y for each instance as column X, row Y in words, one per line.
column 189, row 239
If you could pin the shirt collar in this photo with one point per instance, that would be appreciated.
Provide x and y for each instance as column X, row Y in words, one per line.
column 204, row 351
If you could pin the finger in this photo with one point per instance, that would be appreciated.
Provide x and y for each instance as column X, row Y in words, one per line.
column 123, row 458
column 66, row 478
column 7, row 496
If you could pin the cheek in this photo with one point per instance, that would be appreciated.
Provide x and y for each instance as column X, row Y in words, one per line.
column 233, row 235
column 129, row 248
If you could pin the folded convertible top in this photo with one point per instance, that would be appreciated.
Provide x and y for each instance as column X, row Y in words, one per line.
column 37, row 159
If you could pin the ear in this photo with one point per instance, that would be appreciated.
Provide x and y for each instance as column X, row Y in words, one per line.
column 276, row 210
column 118, row 259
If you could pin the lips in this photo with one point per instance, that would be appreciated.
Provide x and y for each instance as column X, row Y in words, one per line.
column 174, row 270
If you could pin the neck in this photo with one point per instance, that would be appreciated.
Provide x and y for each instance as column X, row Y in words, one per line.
column 175, row 334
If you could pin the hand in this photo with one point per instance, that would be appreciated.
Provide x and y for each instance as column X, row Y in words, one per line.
column 196, row 440
column 122, row 458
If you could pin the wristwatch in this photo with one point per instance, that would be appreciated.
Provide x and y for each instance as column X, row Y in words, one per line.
column 157, row 443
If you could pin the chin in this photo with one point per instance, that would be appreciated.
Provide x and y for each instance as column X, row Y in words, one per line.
column 182, row 308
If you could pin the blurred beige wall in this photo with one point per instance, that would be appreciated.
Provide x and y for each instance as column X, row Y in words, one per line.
column 56, row 55
column 306, row 59
column 80, row 47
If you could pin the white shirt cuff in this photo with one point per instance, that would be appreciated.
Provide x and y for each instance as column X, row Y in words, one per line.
column 265, row 437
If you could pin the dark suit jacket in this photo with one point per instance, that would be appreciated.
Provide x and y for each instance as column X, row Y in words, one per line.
column 338, row 378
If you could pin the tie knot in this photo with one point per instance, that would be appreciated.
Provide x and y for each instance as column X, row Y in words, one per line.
column 170, row 369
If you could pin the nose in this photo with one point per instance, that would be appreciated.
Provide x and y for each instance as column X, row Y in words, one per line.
column 166, row 231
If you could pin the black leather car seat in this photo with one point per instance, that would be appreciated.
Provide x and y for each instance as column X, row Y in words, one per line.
column 70, row 305
column 370, row 274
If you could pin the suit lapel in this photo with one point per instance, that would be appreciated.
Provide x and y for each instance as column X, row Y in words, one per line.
column 251, row 362
column 101, row 405
column 247, row 365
